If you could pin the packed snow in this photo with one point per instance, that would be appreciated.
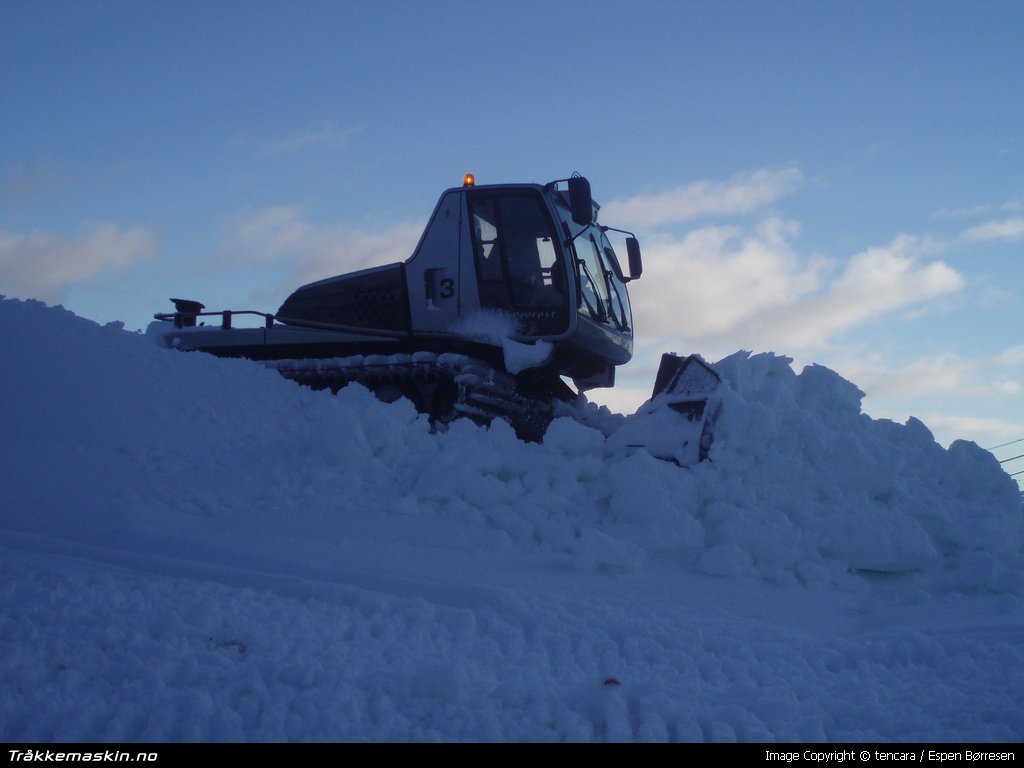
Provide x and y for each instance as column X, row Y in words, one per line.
column 197, row 549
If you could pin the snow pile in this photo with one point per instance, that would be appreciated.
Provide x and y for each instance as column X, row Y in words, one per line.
column 195, row 548
column 800, row 479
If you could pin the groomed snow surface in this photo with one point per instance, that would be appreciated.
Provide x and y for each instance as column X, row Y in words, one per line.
column 197, row 549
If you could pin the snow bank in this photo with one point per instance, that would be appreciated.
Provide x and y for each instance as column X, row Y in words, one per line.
column 800, row 484
column 195, row 548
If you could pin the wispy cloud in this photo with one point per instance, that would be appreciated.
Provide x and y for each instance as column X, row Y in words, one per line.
column 1006, row 229
column 1012, row 356
column 32, row 182
column 272, row 233
column 44, row 265
column 741, row 194
column 326, row 135
column 283, row 234
column 979, row 210
column 970, row 212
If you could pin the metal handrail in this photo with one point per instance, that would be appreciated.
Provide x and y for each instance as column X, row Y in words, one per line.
column 188, row 319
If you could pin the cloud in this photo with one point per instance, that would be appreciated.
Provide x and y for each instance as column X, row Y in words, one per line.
column 992, row 429
column 982, row 209
column 44, row 265
column 722, row 289
column 741, row 194
column 934, row 389
column 1012, row 356
column 718, row 278
column 327, row 135
column 878, row 281
column 30, row 183
column 1006, row 229
column 944, row 375
column 738, row 285
column 273, row 233
column 283, row 234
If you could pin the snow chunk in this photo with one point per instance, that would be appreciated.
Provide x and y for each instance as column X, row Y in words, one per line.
column 491, row 326
column 519, row 357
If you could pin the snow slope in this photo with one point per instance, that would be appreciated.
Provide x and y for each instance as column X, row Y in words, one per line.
column 197, row 549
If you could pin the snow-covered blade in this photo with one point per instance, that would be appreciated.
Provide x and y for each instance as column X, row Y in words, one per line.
column 676, row 423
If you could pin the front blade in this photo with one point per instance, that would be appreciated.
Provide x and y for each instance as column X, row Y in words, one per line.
column 677, row 423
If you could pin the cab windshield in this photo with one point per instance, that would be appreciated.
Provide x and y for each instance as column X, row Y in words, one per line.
column 603, row 296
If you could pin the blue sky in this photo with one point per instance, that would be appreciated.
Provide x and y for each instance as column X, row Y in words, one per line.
column 841, row 183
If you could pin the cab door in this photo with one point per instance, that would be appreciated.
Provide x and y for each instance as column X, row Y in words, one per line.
column 518, row 257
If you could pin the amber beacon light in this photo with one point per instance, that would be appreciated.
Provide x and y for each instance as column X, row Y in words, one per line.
column 468, row 180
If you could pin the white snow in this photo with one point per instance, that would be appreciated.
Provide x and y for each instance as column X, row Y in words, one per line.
column 197, row 549
column 497, row 328
column 518, row 356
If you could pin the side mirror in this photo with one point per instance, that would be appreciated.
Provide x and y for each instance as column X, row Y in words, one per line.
column 580, row 201
column 636, row 266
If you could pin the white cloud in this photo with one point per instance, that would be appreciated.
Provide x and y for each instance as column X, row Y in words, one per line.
column 740, row 195
column 881, row 280
column 283, row 235
column 44, row 265
column 717, row 278
column 1006, row 229
column 741, row 286
column 936, row 389
column 943, row 375
column 723, row 290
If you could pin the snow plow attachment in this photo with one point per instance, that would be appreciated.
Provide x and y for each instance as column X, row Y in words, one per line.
column 677, row 423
